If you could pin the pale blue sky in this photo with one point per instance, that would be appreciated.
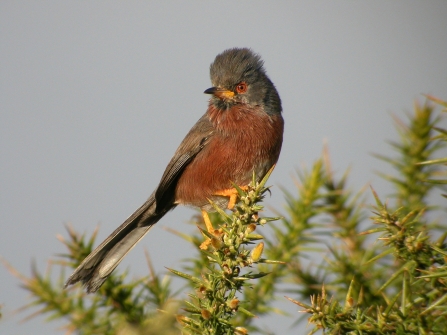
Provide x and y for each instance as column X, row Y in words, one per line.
column 96, row 96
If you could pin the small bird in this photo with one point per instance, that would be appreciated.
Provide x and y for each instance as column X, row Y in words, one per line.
column 240, row 133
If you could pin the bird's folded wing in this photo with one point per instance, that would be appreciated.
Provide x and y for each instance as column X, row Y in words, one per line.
column 197, row 138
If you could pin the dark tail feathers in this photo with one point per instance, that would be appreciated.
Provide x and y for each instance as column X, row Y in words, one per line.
column 97, row 266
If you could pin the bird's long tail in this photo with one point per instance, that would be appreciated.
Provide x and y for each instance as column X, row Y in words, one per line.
column 97, row 266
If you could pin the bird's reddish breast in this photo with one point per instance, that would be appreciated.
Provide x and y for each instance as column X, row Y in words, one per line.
column 245, row 140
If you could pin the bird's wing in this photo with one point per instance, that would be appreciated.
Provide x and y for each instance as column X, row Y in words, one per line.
column 96, row 267
column 197, row 138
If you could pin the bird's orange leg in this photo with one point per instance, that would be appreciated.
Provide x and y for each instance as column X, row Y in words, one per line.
column 232, row 194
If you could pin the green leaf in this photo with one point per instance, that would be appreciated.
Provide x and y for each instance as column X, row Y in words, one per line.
column 186, row 276
column 243, row 310
column 435, row 304
column 433, row 161
column 383, row 254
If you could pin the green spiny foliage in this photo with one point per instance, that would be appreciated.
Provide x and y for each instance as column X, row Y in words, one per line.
column 228, row 268
column 414, row 293
column 143, row 306
column 416, row 145
column 399, row 286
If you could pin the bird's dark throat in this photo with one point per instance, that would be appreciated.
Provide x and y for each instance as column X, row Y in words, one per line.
column 223, row 104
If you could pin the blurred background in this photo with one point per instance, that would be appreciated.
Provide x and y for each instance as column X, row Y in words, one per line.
column 96, row 96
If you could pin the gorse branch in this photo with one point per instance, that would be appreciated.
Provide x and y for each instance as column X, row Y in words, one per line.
column 398, row 285
column 416, row 145
column 143, row 306
column 228, row 269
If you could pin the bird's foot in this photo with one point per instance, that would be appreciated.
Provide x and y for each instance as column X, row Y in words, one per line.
column 232, row 193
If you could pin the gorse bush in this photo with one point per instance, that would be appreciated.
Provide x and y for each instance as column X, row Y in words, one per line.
column 398, row 284
column 381, row 269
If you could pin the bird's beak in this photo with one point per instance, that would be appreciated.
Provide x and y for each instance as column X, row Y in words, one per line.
column 220, row 92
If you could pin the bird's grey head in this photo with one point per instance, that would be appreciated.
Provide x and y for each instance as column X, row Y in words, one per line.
column 238, row 76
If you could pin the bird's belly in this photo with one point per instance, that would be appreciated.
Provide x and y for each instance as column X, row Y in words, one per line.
column 227, row 160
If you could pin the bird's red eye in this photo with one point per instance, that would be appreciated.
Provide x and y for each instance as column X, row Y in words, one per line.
column 241, row 87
